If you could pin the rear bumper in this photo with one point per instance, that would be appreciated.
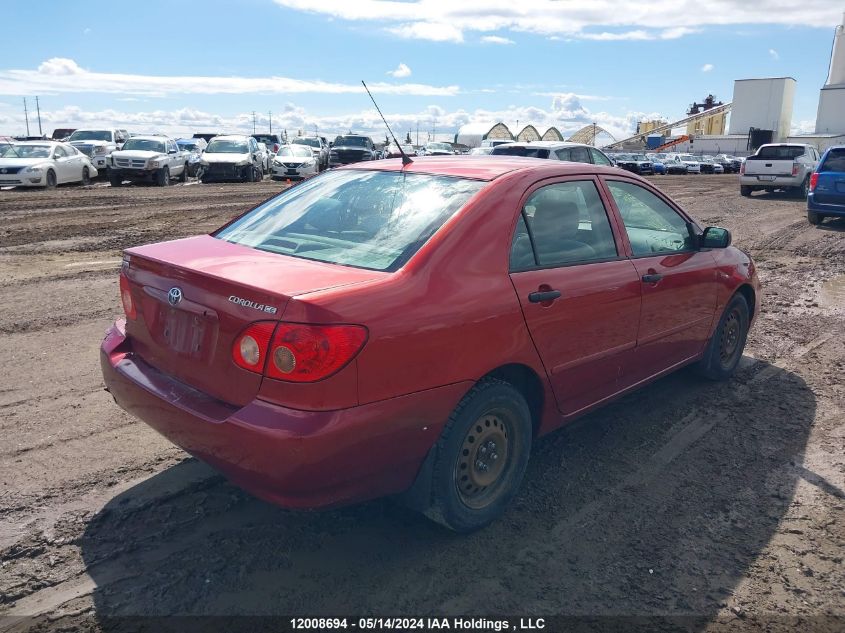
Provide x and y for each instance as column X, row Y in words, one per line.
column 297, row 459
column 825, row 208
column 779, row 182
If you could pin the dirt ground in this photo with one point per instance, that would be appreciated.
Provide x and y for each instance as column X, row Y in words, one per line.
column 720, row 501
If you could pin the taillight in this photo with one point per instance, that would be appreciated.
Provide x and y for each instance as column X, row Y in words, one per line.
column 742, row 169
column 275, row 148
column 126, row 298
column 307, row 353
column 794, row 169
column 814, row 180
column 250, row 347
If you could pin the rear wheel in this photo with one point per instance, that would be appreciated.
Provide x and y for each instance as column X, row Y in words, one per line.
column 814, row 218
column 724, row 350
column 481, row 457
column 51, row 179
column 163, row 177
column 804, row 189
column 183, row 177
column 86, row 176
column 745, row 190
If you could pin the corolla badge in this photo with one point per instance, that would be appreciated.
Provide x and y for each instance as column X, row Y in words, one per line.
column 174, row 296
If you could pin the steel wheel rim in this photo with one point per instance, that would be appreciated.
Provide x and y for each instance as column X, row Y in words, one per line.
column 729, row 341
column 483, row 460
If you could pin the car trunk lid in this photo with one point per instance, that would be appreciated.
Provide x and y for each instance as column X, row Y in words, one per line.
column 195, row 296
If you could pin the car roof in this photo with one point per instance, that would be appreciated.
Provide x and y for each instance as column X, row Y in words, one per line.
column 231, row 137
column 482, row 167
column 44, row 142
column 150, row 137
column 548, row 144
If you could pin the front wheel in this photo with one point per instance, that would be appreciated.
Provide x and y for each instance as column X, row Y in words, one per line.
column 724, row 350
column 86, row 176
column 51, row 179
column 745, row 190
column 184, row 175
column 480, row 457
column 814, row 218
column 163, row 177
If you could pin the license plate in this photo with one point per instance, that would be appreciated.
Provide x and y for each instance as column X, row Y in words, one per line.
column 766, row 178
column 184, row 333
column 292, row 172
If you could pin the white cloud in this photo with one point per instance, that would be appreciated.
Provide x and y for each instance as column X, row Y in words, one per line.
column 565, row 111
column 402, row 70
column 603, row 20
column 496, row 39
column 60, row 75
column 774, row 54
column 707, row 68
column 806, row 126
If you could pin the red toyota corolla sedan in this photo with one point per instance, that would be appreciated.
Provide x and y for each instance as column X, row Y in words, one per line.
column 382, row 329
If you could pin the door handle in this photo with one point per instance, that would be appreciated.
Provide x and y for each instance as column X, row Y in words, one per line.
column 652, row 278
column 542, row 297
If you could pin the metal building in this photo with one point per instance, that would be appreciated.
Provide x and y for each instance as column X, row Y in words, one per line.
column 763, row 104
column 830, row 118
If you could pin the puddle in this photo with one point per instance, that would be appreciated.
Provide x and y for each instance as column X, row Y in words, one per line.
column 832, row 292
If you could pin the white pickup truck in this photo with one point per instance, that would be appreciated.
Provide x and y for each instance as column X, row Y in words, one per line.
column 98, row 143
column 785, row 166
column 152, row 158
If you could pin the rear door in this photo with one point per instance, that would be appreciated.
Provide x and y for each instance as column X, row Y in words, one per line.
column 579, row 295
column 830, row 188
column 679, row 286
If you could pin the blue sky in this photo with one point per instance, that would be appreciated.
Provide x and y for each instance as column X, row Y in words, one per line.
column 184, row 66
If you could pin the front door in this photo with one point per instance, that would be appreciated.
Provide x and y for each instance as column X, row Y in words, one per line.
column 679, row 287
column 579, row 297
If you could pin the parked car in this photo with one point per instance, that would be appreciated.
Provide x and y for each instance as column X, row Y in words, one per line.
column 193, row 147
column 291, row 350
column 729, row 164
column 43, row 164
column 318, row 148
column 98, row 144
column 351, row 148
column 675, row 165
column 657, row 165
column 294, row 161
column 61, row 134
column 438, row 149
column 232, row 157
column 409, row 149
column 783, row 166
column 554, row 150
column 264, row 158
column 692, row 163
column 480, row 151
column 272, row 141
column 155, row 159
column 826, row 197
column 636, row 163
column 706, row 165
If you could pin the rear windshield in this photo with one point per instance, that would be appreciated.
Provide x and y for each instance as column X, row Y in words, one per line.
column 835, row 161
column 367, row 219
column 530, row 152
column 780, row 152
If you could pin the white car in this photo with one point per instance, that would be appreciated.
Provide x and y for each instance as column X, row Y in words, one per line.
column 693, row 166
column 231, row 157
column 295, row 161
column 43, row 164
column 155, row 159
column 265, row 158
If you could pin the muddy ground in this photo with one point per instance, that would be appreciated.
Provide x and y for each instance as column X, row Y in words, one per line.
column 722, row 501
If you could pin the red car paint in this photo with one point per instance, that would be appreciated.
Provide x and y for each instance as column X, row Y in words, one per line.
column 451, row 315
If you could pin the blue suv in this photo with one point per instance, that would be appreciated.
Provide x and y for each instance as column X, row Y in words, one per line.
column 827, row 187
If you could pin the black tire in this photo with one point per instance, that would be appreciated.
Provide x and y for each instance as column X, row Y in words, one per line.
column 86, row 176
column 814, row 218
column 724, row 350
column 480, row 457
column 183, row 177
column 205, row 181
column 746, row 190
column 163, row 177
column 115, row 181
column 804, row 189
column 51, row 179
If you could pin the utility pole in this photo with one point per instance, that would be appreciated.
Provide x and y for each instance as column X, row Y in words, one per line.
column 38, row 108
column 270, row 114
column 253, row 121
column 26, row 116
column 418, row 133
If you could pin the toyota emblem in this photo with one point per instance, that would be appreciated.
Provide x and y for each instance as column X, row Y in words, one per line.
column 174, row 296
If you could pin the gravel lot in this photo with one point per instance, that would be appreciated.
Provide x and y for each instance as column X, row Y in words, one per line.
column 723, row 501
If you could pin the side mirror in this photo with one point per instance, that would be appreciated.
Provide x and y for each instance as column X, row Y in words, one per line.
column 715, row 237
column 172, row 151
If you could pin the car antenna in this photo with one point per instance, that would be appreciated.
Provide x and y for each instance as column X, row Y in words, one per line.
column 406, row 160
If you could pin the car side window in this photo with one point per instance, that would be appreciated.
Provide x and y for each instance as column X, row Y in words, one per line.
column 652, row 225
column 567, row 223
column 599, row 158
column 580, row 155
column 564, row 154
column 59, row 153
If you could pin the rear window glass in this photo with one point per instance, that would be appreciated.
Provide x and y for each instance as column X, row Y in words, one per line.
column 530, row 152
column 367, row 219
column 835, row 161
column 780, row 152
